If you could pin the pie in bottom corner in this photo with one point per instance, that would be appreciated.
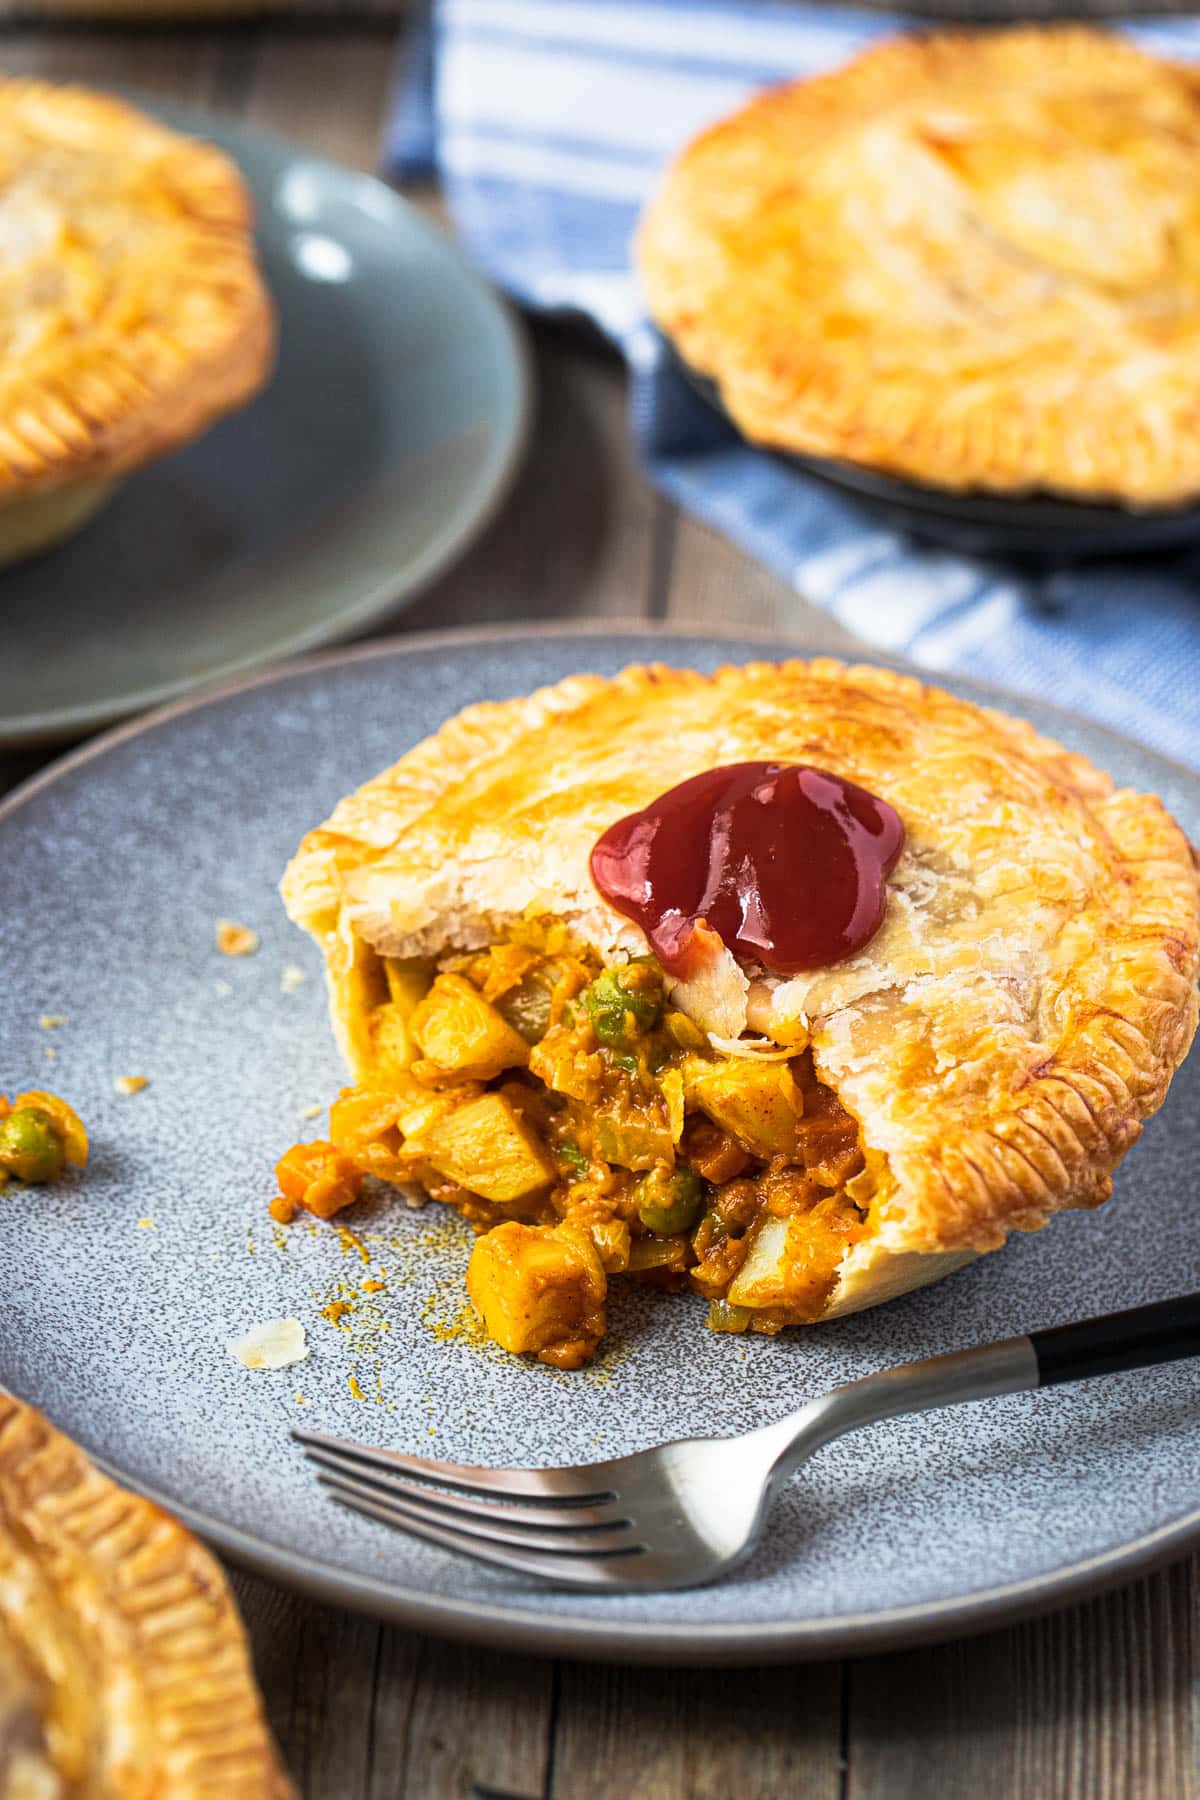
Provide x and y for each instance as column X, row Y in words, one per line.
column 124, row 1670
column 585, row 969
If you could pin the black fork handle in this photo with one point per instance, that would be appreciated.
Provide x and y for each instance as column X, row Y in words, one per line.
column 1161, row 1333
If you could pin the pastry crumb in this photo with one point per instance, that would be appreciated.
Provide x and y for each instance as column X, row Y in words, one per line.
column 274, row 1344
column 311, row 1112
column 51, row 1053
column 355, row 1390
column 147, row 1225
column 52, row 1021
column 291, row 977
column 234, row 939
column 300, row 1400
column 130, row 1084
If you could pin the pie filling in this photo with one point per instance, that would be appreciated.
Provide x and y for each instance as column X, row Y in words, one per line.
column 586, row 1128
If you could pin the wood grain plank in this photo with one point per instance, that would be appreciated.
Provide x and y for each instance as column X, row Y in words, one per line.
column 165, row 64
column 325, row 91
column 371, row 1712
column 1095, row 1701
column 316, row 1666
column 575, row 538
column 713, row 583
column 670, row 1734
column 450, row 1721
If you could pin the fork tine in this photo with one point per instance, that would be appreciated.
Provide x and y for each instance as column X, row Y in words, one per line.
column 459, row 1503
column 569, row 1487
column 562, row 1570
column 562, row 1540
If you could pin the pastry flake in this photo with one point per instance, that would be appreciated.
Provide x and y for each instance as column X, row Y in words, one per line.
column 132, row 311
column 124, row 1669
column 987, row 1058
column 969, row 260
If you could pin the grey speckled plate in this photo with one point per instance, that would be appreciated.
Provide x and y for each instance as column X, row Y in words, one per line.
column 120, row 1290
column 388, row 435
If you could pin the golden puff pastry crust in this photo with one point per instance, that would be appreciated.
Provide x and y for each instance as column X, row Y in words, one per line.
column 132, row 312
column 123, row 1664
column 1000, row 1041
column 973, row 261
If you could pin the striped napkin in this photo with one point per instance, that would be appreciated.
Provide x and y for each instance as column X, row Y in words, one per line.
column 547, row 122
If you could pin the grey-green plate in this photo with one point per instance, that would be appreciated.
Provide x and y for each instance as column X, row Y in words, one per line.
column 388, row 435
column 120, row 1290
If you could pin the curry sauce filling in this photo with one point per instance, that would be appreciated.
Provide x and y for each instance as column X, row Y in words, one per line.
column 587, row 1129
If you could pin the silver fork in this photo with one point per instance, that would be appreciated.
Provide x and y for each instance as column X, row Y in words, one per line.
column 684, row 1513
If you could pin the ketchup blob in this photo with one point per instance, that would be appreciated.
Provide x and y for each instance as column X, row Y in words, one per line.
column 787, row 864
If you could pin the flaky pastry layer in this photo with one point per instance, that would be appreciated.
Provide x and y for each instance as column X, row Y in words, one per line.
column 132, row 312
column 1000, row 1041
column 969, row 260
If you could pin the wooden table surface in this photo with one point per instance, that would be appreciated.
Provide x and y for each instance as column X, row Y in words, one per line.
column 1101, row 1702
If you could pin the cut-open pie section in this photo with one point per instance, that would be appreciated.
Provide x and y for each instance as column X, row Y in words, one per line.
column 588, row 1129
column 791, row 1136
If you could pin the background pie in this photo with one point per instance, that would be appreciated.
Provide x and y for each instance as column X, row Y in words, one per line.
column 132, row 312
column 970, row 260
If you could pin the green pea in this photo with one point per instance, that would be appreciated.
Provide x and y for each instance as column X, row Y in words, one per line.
column 724, row 1317
column 668, row 1200
column 623, row 1002
column 30, row 1147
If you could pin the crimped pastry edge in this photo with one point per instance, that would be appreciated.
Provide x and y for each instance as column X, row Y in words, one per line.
column 850, row 413
column 105, row 1551
column 115, row 404
column 1052, row 1146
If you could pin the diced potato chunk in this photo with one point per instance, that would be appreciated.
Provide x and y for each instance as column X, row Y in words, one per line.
column 539, row 1289
column 633, row 1139
column 462, row 1034
column 393, row 1046
column 758, row 1103
column 792, row 1262
column 567, row 1069
column 487, row 1147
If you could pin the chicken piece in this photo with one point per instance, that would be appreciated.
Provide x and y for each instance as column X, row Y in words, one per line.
column 540, row 1289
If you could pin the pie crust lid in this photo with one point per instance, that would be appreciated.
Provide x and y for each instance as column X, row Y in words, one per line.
column 132, row 311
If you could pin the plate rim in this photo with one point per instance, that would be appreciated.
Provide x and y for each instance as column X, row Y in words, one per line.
column 34, row 730
column 507, row 1626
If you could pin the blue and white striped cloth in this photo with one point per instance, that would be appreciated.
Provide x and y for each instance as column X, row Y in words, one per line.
column 548, row 122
